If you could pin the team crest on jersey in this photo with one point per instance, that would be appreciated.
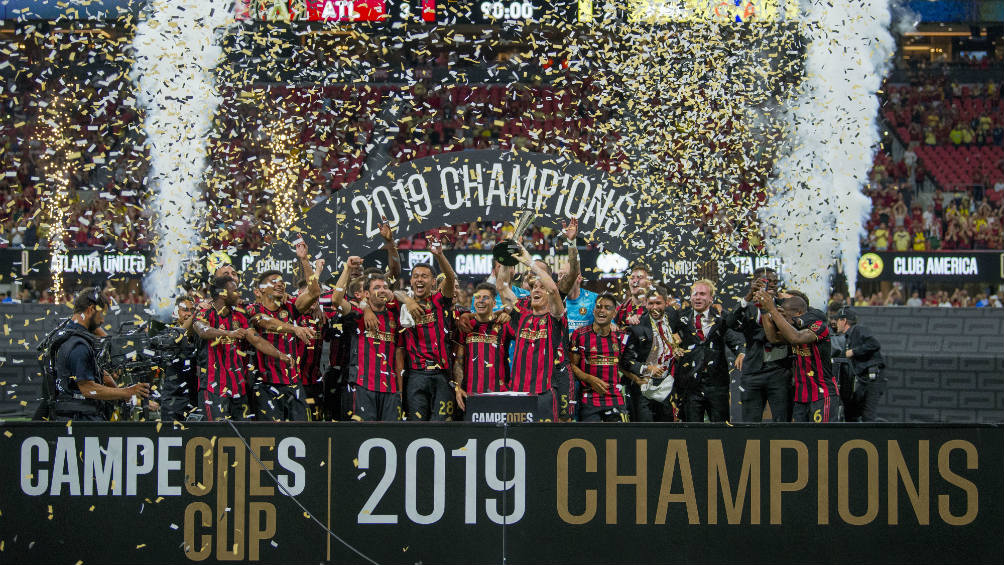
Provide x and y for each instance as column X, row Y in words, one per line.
column 424, row 319
column 583, row 310
column 532, row 335
column 283, row 315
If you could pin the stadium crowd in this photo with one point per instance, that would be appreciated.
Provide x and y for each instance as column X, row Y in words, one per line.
column 919, row 297
column 946, row 190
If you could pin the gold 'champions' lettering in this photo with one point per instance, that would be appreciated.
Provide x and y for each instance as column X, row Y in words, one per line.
column 766, row 480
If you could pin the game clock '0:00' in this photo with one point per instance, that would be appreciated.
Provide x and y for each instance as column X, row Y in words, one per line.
column 507, row 10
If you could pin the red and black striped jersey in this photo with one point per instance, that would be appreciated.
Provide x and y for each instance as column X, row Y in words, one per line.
column 371, row 354
column 625, row 310
column 227, row 364
column 539, row 352
column 427, row 342
column 813, row 366
column 270, row 369
column 486, row 357
column 599, row 356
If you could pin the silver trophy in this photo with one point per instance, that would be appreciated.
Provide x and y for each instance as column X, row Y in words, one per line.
column 506, row 251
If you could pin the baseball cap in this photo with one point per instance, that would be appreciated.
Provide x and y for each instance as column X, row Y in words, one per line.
column 847, row 314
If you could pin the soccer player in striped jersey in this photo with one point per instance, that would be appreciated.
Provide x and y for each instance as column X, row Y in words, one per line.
column 376, row 356
column 817, row 398
column 481, row 362
column 428, row 396
column 539, row 331
column 277, row 316
column 596, row 352
column 223, row 383
column 336, row 396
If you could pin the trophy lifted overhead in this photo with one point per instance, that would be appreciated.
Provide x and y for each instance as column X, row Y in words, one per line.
column 507, row 250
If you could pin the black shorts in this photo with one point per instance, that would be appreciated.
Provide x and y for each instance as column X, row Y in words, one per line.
column 281, row 403
column 371, row 406
column 429, row 397
column 589, row 413
column 547, row 407
column 826, row 409
column 217, row 408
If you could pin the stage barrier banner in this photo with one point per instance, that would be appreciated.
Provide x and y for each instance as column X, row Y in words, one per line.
column 478, row 493
column 94, row 264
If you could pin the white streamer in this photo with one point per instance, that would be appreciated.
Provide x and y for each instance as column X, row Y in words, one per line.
column 816, row 206
column 176, row 51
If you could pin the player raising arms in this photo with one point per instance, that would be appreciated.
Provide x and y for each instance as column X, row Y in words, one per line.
column 539, row 331
column 375, row 356
column 428, row 393
column 276, row 315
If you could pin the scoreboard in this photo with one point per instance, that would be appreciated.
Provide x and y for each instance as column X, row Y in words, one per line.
column 495, row 12
column 488, row 12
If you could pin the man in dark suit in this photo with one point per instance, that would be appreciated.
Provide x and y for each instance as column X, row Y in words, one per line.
column 766, row 375
column 703, row 371
column 647, row 358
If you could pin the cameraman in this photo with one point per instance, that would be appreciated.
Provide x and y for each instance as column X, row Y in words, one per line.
column 180, row 376
column 79, row 389
column 865, row 355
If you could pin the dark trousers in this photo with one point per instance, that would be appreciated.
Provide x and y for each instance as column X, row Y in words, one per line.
column 217, row 407
column 337, row 396
column 281, row 403
column 589, row 413
column 174, row 405
column 372, row 406
column 865, row 400
column 822, row 411
column 706, row 400
column 642, row 409
column 547, row 407
column 760, row 389
column 428, row 396
column 315, row 401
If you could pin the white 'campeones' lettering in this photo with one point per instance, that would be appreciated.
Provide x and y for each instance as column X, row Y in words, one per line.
column 102, row 467
column 497, row 417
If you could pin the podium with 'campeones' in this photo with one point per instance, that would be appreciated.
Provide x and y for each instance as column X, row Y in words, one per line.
column 501, row 407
